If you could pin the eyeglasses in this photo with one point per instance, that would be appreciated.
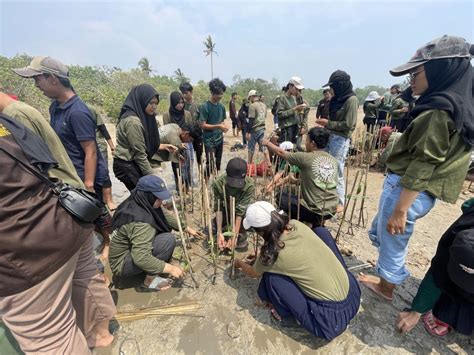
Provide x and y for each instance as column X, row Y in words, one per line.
column 412, row 76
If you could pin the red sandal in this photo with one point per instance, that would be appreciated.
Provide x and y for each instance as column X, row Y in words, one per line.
column 434, row 326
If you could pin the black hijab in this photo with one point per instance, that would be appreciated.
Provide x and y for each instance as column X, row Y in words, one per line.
column 450, row 88
column 176, row 116
column 138, row 207
column 406, row 95
column 135, row 105
column 342, row 87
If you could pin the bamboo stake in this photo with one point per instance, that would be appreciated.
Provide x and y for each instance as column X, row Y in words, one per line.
column 211, row 236
column 350, row 230
column 234, row 236
column 345, row 207
column 299, row 202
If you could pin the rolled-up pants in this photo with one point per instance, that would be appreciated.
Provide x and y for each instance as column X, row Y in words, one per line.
column 58, row 315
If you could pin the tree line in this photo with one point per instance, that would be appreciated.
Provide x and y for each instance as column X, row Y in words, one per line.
column 106, row 87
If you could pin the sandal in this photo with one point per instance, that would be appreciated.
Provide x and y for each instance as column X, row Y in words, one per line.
column 158, row 284
column 286, row 322
column 434, row 326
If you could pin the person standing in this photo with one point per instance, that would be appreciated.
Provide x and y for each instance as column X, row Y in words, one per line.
column 288, row 111
column 341, row 123
column 399, row 110
column 371, row 110
column 211, row 116
column 323, row 106
column 138, row 138
column 256, row 127
column 387, row 101
column 430, row 159
column 303, row 118
column 243, row 117
column 233, row 114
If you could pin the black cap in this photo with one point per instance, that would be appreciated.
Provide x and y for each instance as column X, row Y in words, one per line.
column 236, row 171
column 461, row 260
column 338, row 75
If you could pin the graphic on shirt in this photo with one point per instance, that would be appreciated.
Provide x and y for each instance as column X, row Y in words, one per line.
column 324, row 169
column 4, row 131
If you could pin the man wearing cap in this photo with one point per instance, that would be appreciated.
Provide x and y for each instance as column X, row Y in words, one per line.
column 71, row 120
column 288, row 111
column 142, row 242
column 387, row 101
column 237, row 184
column 431, row 157
column 256, row 126
column 446, row 294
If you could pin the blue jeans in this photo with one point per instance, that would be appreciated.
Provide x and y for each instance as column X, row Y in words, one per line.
column 393, row 249
column 338, row 147
column 256, row 137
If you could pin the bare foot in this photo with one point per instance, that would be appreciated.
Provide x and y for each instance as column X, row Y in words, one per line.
column 339, row 209
column 373, row 283
column 112, row 206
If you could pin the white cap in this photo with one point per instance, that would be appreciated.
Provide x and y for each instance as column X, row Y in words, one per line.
column 252, row 93
column 297, row 82
column 287, row 145
column 373, row 95
column 259, row 214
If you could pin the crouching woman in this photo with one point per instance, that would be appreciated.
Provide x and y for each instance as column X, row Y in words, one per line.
column 142, row 243
column 304, row 279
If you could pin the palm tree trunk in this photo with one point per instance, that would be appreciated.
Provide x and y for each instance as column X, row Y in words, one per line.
column 212, row 68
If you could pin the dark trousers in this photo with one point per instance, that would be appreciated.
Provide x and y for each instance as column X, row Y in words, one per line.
column 306, row 215
column 197, row 145
column 325, row 319
column 127, row 172
column 185, row 173
column 398, row 124
column 214, row 157
column 289, row 134
column 163, row 247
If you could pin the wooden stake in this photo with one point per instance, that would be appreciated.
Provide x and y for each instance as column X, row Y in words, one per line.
column 234, row 235
column 345, row 207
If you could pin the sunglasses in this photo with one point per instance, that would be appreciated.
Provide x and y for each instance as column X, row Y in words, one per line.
column 412, row 76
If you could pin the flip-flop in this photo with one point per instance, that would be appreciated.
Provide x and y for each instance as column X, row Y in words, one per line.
column 286, row 322
column 371, row 286
column 156, row 285
column 434, row 326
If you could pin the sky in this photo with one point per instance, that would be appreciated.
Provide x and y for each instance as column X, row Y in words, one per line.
column 256, row 39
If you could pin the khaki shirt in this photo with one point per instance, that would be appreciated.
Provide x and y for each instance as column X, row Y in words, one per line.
column 187, row 118
column 257, row 115
column 32, row 119
column 169, row 134
column 131, row 143
column 398, row 104
column 243, row 197
column 309, row 262
column 431, row 156
column 346, row 118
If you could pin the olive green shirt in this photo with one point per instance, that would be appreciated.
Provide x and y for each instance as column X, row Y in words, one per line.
column 309, row 262
column 346, row 118
column 193, row 108
column 131, row 143
column 32, row 119
column 101, row 141
column 243, row 197
column 431, row 156
column 187, row 118
column 394, row 137
column 398, row 104
column 257, row 115
column 371, row 109
column 169, row 134
column 136, row 238
column 287, row 115
column 303, row 115
column 318, row 177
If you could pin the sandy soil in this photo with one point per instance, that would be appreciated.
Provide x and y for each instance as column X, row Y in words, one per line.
column 229, row 320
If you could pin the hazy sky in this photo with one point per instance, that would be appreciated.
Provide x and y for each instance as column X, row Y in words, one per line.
column 258, row 39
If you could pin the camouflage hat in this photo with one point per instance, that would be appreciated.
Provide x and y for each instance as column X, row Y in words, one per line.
column 43, row 65
column 443, row 47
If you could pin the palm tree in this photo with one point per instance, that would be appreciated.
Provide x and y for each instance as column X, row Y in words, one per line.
column 179, row 76
column 210, row 50
column 144, row 65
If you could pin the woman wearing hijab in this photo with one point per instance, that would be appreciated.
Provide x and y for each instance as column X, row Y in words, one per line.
column 137, row 136
column 371, row 110
column 142, row 242
column 430, row 159
column 400, row 108
column 304, row 278
column 446, row 294
column 341, row 123
column 176, row 114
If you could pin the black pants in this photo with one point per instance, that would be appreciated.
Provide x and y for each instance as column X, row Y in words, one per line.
column 127, row 172
column 398, row 124
column 214, row 156
column 289, row 134
column 197, row 145
column 306, row 215
column 163, row 247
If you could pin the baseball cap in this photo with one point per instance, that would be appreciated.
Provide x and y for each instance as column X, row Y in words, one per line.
column 338, row 75
column 297, row 82
column 443, row 47
column 43, row 65
column 259, row 214
column 236, row 171
column 287, row 145
column 155, row 185
column 252, row 93
column 461, row 261
column 373, row 95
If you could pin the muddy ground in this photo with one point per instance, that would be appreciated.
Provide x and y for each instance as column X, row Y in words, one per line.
column 229, row 321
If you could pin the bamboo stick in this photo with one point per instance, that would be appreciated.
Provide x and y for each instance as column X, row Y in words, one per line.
column 234, row 235
column 345, row 207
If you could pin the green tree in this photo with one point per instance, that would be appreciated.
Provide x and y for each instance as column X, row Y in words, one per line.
column 144, row 65
column 179, row 76
column 210, row 50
